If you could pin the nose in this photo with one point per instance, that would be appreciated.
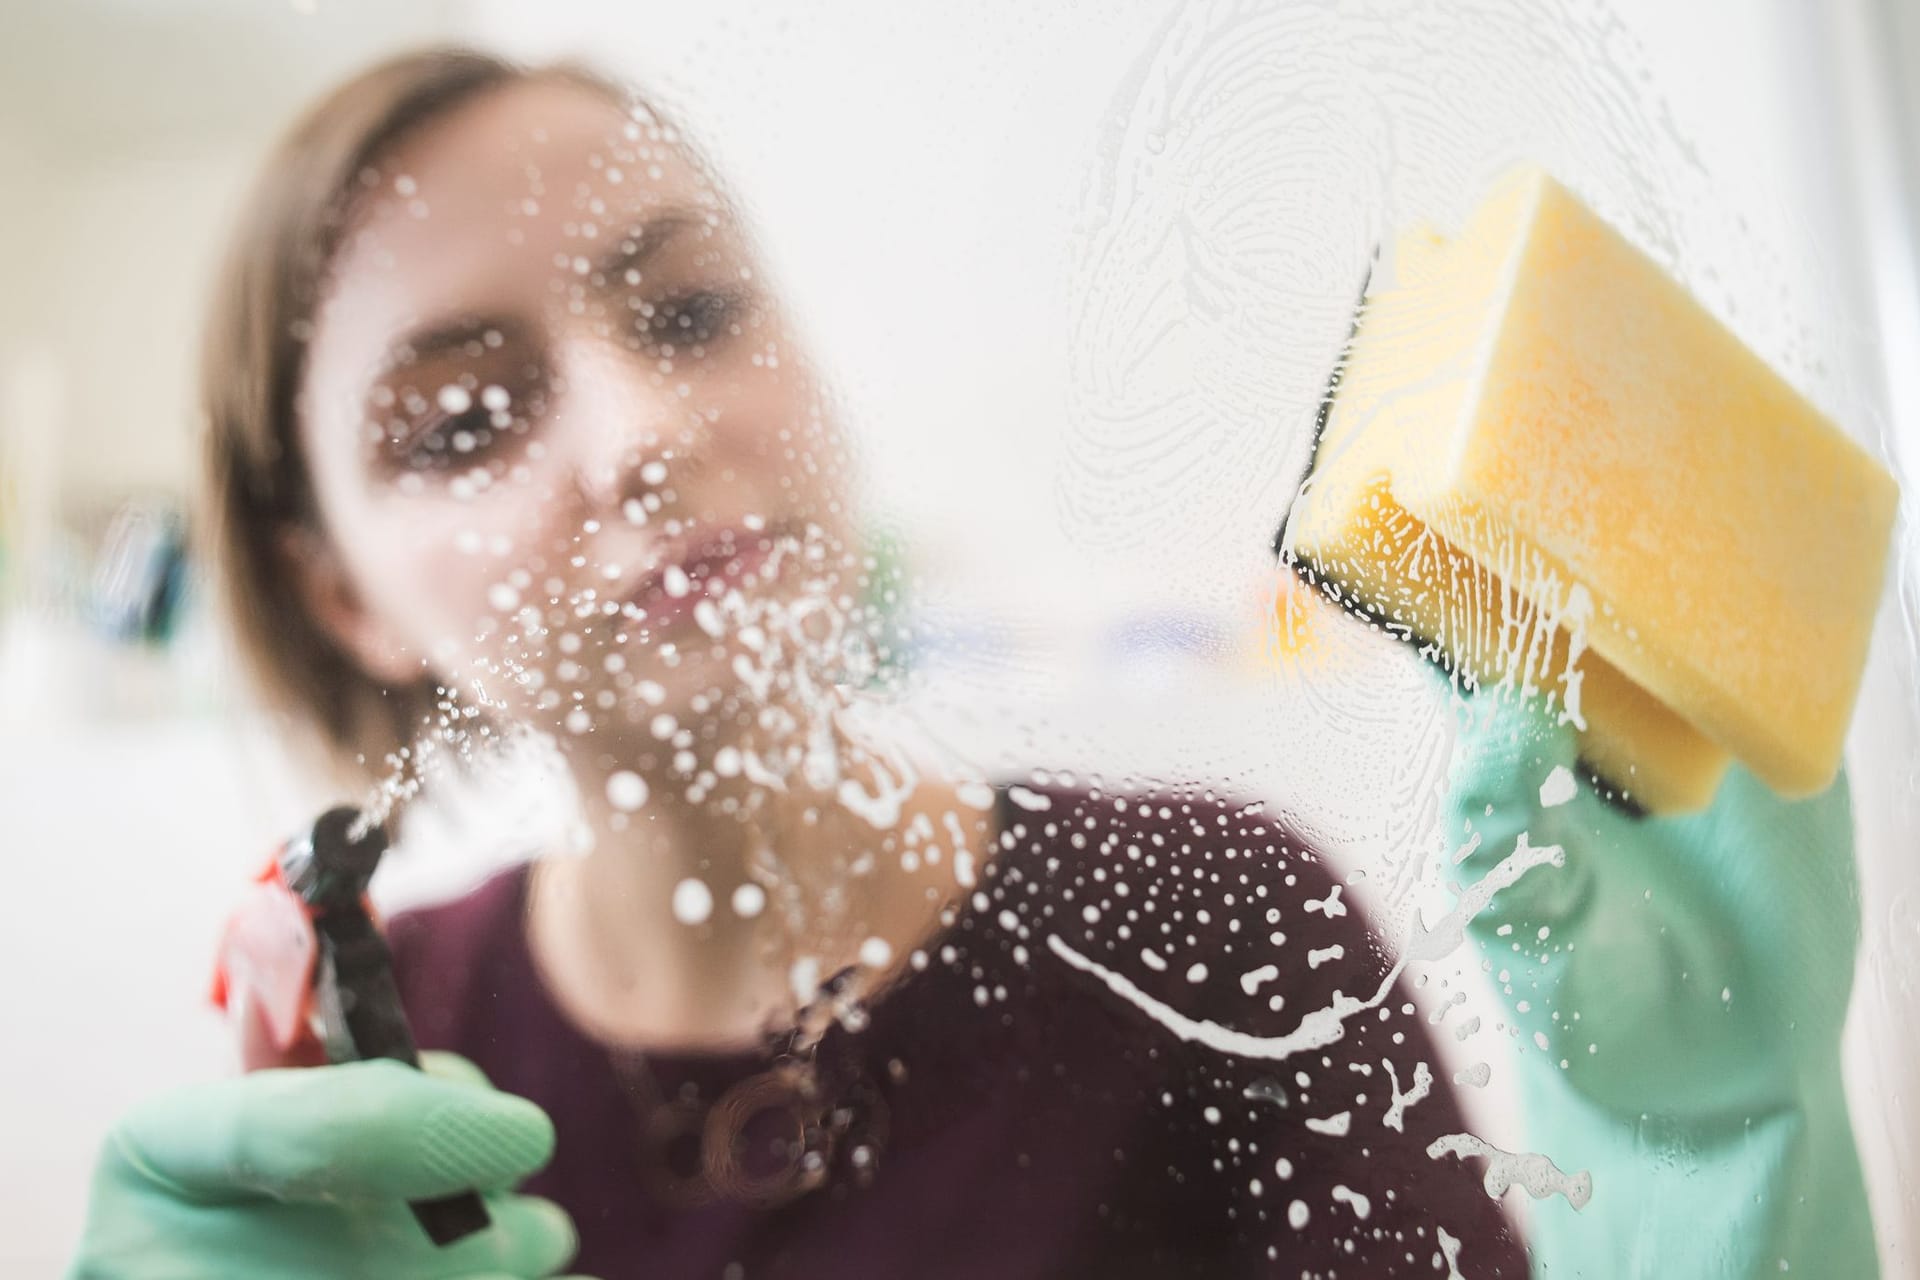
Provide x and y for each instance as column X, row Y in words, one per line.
column 616, row 423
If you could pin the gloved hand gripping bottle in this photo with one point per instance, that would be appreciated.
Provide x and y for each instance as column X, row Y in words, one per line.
column 351, row 1168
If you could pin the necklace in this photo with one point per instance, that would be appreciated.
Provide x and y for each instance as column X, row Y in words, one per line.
column 767, row 1138
column 763, row 1141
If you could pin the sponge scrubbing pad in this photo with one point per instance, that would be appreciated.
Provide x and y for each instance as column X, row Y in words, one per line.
column 1545, row 457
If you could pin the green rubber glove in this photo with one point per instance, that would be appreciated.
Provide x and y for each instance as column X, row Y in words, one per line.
column 307, row 1173
column 1690, row 989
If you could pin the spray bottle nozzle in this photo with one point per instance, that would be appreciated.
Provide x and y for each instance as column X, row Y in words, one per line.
column 331, row 863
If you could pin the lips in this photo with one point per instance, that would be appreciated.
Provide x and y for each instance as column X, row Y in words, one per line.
column 688, row 570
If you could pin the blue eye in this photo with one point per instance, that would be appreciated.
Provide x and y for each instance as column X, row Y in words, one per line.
column 696, row 319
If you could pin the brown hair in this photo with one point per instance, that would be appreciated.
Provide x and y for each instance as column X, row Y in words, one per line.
column 257, row 484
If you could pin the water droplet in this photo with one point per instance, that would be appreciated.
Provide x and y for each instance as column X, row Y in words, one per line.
column 692, row 901
column 804, row 979
column 626, row 790
column 749, row 900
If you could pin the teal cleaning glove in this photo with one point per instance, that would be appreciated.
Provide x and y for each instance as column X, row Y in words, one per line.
column 1678, row 987
column 307, row 1173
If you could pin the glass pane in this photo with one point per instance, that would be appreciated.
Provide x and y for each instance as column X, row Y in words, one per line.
column 1155, row 639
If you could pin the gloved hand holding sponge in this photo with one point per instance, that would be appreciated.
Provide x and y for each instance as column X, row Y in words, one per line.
column 1555, row 471
column 1688, row 976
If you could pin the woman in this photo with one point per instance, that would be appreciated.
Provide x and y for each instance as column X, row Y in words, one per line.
column 507, row 432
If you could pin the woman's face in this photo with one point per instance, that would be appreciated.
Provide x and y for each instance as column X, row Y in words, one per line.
column 566, row 456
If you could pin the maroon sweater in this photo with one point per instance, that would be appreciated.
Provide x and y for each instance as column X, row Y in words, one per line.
column 1000, row 1112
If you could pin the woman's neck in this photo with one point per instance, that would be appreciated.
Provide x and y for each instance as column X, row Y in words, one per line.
column 688, row 927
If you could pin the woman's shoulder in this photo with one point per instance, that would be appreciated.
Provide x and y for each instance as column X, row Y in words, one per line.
column 451, row 956
column 461, row 922
column 1105, row 919
column 1163, row 828
column 1188, row 888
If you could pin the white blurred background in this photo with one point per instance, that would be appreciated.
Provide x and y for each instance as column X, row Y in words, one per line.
column 938, row 187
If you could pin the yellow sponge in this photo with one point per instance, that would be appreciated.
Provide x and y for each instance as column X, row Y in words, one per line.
column 1541, row 454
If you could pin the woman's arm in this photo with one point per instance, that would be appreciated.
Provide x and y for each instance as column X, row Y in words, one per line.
column 1678, row 985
